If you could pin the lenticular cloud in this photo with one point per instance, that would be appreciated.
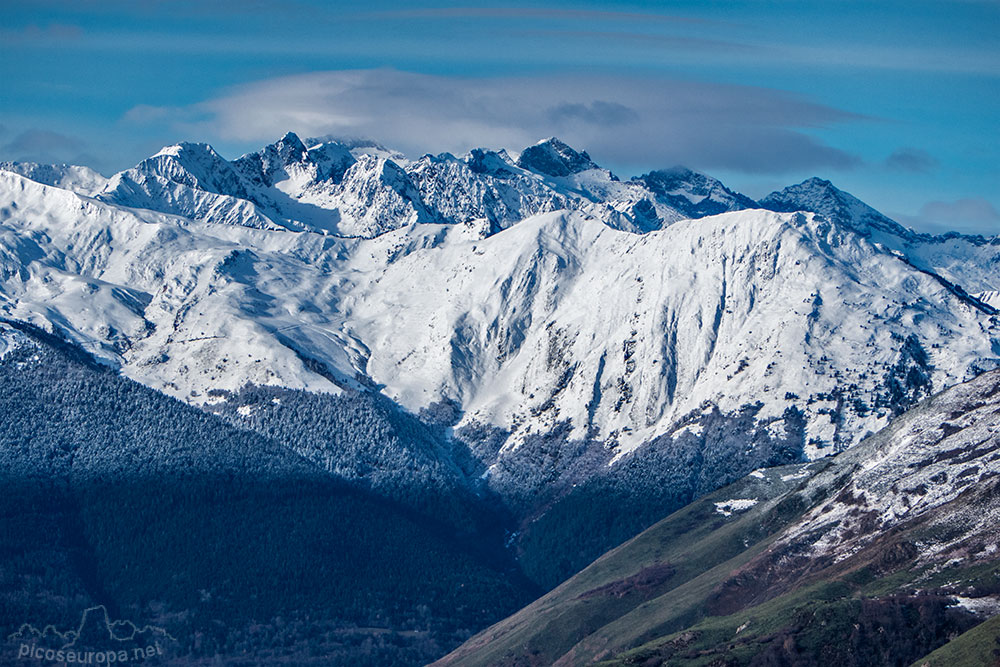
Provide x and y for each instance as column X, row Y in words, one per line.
column 637, row 121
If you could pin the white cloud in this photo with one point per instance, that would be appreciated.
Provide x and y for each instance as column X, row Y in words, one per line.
column 624, row 120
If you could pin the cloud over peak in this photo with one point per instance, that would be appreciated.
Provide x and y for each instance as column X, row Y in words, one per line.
column 636, row 121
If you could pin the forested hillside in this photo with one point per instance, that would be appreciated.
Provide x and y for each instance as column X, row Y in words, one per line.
column 117, row 495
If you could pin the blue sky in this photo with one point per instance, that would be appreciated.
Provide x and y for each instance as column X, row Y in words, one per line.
column 896, row 102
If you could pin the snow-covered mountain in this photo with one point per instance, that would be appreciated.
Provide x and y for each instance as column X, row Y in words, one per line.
column 559, row 319
column 694, row 195
column 820, row 196
column 362, row 189
column 568, row 335
column 282, row 186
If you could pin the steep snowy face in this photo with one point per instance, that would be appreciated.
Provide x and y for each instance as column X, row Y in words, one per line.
column 190, row 180
column 375, row 197
column 559, row 319
column 283, row 160
column 78, row 179
column 494, row 163
column 332, row 160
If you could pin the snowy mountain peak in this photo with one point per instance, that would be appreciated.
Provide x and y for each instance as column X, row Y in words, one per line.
column 820, row 196
column 552, row 157
column 377, row 196
column 494, row 163
column 693, row 193
column 289, row 149
column 188, row 163
column 290, row 139
column 188, row 149
column 275, row 162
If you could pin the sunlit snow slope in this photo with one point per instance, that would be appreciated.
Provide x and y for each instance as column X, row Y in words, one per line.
column 557, row 318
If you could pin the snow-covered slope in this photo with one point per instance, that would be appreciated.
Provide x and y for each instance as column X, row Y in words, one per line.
column 79, row 179
column 916, row 468
column 557, row 319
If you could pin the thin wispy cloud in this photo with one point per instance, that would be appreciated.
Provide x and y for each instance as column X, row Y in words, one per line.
column 46, row 146
column 625, row 120
column 911, row 159
column 971, row 215
column 529, row 13
column 42, row 33
column 957, row 60
column 972, row 210
column 647, row 40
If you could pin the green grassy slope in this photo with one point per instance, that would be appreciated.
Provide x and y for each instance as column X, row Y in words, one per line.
column 979, row 647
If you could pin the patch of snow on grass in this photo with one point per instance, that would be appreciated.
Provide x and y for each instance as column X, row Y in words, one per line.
column 727, row 507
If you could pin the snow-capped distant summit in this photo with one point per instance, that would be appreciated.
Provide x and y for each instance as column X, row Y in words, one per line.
column 965, row 263
column 361, row 188
column 554, row 158
column 820, row 196
column 329, row 188
column 332, row 161
column 494, row 163
column 694, row 193
column 191, row 180
column 191, row 164
column 271, row 163
column 484, row 186
column 358, row 147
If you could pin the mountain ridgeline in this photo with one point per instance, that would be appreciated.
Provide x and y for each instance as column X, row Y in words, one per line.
column 509, row 364
column 362, row 189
